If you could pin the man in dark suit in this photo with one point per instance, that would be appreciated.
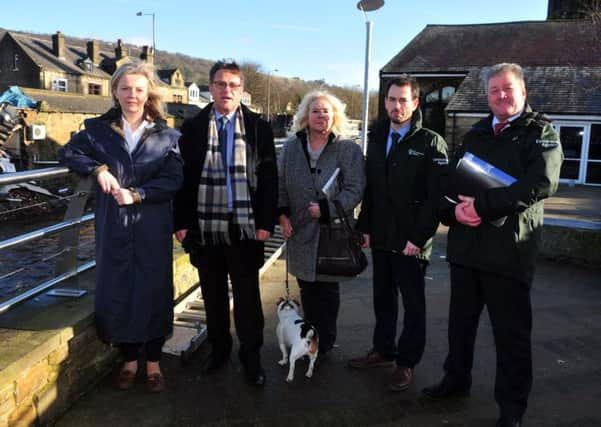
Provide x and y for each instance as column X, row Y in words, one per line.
column 225, row 211
column 405, row 162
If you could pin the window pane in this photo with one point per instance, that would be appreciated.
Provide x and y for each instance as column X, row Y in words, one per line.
column 593, row 173
column 571, row 141
column 594, row 151
column 447, row 93
column 432, row 96
column 569, row 169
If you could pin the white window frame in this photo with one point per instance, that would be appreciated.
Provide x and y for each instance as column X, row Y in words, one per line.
column 584, row 160
column 60, row 85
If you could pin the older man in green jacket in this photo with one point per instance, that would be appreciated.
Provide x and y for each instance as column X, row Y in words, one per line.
column 493, row 264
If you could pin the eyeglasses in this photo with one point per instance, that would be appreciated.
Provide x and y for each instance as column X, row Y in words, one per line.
column 231, row 85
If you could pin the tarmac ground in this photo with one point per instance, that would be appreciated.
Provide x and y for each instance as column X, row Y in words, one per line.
column 566, row 351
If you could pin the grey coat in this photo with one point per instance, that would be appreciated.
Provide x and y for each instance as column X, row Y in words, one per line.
column 298, row 187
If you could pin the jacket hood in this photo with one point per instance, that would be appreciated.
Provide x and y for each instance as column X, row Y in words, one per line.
column 527, row 116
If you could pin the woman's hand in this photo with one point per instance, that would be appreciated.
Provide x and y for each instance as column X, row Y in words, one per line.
column 314, row 210
column 286, row 227
column 180, row 235
column 123, row 196
column 107, row 181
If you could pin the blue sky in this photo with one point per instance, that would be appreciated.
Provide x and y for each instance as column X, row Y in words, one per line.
column 310, row 39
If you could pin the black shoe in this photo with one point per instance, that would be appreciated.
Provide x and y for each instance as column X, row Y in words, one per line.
column 213, row 363
column 256, row 377
column 447, row 388
column 508, row 422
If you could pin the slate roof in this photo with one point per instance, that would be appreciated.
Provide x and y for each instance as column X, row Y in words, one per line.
column 561, row 60
column 70, row 102
column 39, row 48
column 439, row 48
column 552, row 90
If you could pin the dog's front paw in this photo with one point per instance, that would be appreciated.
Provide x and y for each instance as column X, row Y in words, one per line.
column 309, row 374
column 289, row 379
column 283, row 362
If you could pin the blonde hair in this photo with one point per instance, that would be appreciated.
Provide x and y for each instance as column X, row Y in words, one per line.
column 153, row 109
column 301, row 118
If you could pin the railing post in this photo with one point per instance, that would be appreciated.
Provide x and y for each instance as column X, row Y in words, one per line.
column 67, row 261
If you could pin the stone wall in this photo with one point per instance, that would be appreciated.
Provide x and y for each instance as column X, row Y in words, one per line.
column 51, row 354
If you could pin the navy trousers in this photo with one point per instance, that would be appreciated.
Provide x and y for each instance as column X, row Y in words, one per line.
column 508, row 303
column 395, row 273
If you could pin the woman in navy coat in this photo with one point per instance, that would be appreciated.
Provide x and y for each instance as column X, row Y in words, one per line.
column 133, row 156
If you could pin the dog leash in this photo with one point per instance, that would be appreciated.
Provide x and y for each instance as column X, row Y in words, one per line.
column 287, row 284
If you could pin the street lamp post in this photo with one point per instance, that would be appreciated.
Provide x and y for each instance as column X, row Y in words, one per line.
column 269, row 91
column 367, row 6
column 154, row 51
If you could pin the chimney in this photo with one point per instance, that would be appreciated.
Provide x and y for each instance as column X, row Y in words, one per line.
column 147, row 54
column 58, row 45
column 120, row 50
column 94, row 51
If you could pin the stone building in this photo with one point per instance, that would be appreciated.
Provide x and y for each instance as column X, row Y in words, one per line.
column 562, row 62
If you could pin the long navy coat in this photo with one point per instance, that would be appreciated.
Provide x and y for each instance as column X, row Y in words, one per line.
column 134, row 247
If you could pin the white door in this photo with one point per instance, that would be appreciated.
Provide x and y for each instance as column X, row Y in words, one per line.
column 574, row 138
column 593, row 162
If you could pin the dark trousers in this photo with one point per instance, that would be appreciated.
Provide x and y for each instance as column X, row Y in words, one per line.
column 508, row 303
column 152, row 349
column 321, row 303
column 241, row 260
column 394, row 273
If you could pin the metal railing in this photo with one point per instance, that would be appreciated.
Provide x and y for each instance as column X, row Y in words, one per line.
column 66, row 265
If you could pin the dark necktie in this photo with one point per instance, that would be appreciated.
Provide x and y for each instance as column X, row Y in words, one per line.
column 499, row 127
column 222, row 135
column 394, row 139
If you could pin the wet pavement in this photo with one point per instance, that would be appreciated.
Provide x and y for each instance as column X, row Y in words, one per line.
column 566, row 349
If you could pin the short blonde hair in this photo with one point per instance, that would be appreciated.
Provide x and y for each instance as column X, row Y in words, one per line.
column 153, row 109
column 301, row 118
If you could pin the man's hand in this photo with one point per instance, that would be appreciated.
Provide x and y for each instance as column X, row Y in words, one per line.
column 180, row 235
column 262, row 235
column 107, row 181
column 411, row 249
column 123, row 196
column 286, row 227
column 465, row 212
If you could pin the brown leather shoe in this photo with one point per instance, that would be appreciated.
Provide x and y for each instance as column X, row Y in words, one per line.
column 155, row 382
column 373, row 359
column 125, row 379
column 401, row 379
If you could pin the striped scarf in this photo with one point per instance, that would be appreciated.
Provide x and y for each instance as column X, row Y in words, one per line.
column 212, row 190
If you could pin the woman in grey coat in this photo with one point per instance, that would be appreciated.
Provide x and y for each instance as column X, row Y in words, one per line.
column 306, row 163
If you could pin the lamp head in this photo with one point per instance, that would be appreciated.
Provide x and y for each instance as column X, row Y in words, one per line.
column 139, row 14
column 369, row 5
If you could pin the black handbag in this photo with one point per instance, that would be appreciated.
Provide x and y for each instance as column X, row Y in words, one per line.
column 339, row 250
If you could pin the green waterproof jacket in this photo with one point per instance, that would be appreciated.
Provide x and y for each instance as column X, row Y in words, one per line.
column 403, row 188
column 530, row 151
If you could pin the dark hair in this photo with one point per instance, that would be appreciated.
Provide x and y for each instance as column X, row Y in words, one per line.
column 225, row 64
column 404, row 80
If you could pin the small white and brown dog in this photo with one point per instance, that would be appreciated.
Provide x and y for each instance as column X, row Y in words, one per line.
column 295, row 333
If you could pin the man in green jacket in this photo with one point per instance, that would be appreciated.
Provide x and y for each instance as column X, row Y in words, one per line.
column 493, row 265
column 405, row 163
